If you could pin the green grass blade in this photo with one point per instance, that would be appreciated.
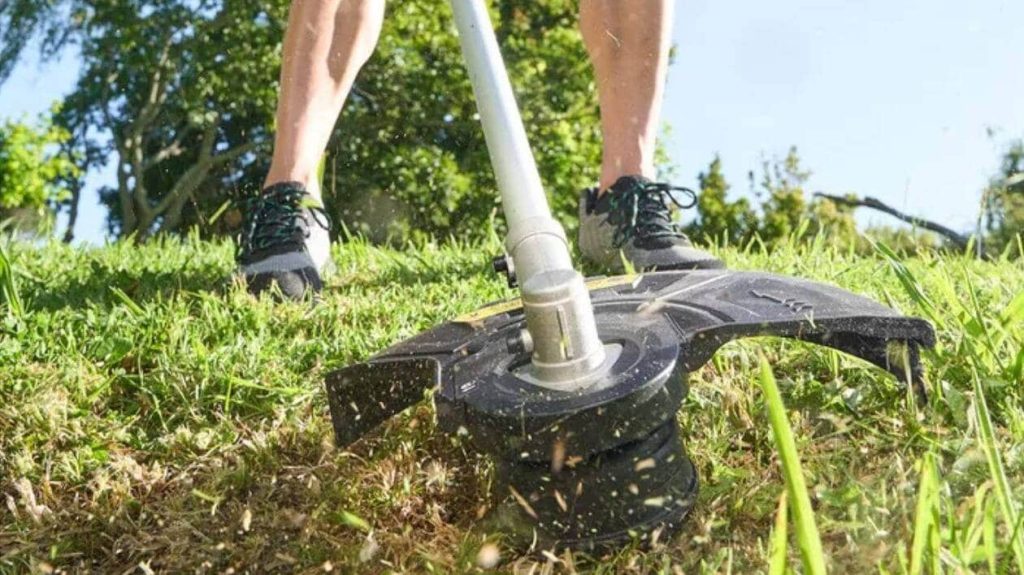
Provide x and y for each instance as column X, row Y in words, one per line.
column 220, row 212
column 803, row 516
column 969, row 549
column 128, row 302
column 990, row 536
column 354, row 521
column 1001, row 486
column 924, row 524
column 780, row 538
column 1014, row 312
column 934, row 537
column 9, row 286
column 910, row 283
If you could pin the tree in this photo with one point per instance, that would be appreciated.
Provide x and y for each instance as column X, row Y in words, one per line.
column 186, row 90
column 786, row 209
column 783, row 209
column 719, row 219
column 833, row 219
column 34, row 169
column 179, row 94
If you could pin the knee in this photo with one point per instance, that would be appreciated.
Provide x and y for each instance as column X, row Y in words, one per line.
column 362, row 11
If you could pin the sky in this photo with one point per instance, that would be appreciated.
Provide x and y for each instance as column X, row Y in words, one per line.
column 884, row 98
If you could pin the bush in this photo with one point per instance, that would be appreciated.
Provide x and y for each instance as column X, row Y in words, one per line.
column 34, row 169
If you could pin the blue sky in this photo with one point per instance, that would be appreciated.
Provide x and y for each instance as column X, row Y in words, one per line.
column 889, row 98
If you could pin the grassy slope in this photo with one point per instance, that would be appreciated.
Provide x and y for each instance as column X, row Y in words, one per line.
column 152, row 415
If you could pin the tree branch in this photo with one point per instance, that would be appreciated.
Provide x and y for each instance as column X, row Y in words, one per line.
column 206, row 162
column 76, row 196
column 157, row 92
column 956, row 238
column 235, row 153
column 171, row 150
column 129, row 220
column 183, row 189
column 146, row 115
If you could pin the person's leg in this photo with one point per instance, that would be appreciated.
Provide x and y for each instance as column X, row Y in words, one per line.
column 326, row 44
column 628, row 216
column 285, row 241
column 629, row 46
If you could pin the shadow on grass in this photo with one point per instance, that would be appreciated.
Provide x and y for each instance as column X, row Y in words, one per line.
column 101, row 286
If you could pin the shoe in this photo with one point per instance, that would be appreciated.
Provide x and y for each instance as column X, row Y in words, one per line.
column 633, row 219
column 284, row 242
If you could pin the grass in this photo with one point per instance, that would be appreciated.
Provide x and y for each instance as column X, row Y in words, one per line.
column 809, row 540
column 155, row 418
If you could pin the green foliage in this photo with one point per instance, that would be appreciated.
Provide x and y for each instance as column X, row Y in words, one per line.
column 1004, row 201
column 833, row 221
column 10, row 300
column 784, row 211
column 34, row 166
column 721, row 220
column 22, row 21
column 186, row 91
column 785, row 205
column 408, row 157
column 787, row 209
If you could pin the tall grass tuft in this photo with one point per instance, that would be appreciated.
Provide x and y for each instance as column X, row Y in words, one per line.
column 803, row 516
column 1001, row 486
column 9, row 286
column 910, row 284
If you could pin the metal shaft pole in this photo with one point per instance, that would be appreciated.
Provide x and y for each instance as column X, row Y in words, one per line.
column 559, row 315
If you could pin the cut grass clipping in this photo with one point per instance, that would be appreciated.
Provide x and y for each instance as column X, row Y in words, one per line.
column 803, row 517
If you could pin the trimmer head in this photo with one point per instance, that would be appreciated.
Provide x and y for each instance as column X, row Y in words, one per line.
column 596, row 466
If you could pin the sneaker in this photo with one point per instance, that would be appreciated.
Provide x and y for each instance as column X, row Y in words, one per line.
column 634, row 217
column 284, row 242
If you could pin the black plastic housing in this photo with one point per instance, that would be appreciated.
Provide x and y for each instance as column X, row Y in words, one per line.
column 668, row 324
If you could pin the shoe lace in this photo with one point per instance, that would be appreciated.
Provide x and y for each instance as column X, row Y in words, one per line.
column 644, row 211
column 273, row 218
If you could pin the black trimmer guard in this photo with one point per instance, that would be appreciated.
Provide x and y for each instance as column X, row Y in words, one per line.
column 599, row 466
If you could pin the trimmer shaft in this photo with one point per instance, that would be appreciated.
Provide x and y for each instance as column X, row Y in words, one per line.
column 566, row 351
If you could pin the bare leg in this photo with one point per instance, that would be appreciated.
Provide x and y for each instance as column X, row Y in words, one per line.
column 628, row 44
column 326, row 44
